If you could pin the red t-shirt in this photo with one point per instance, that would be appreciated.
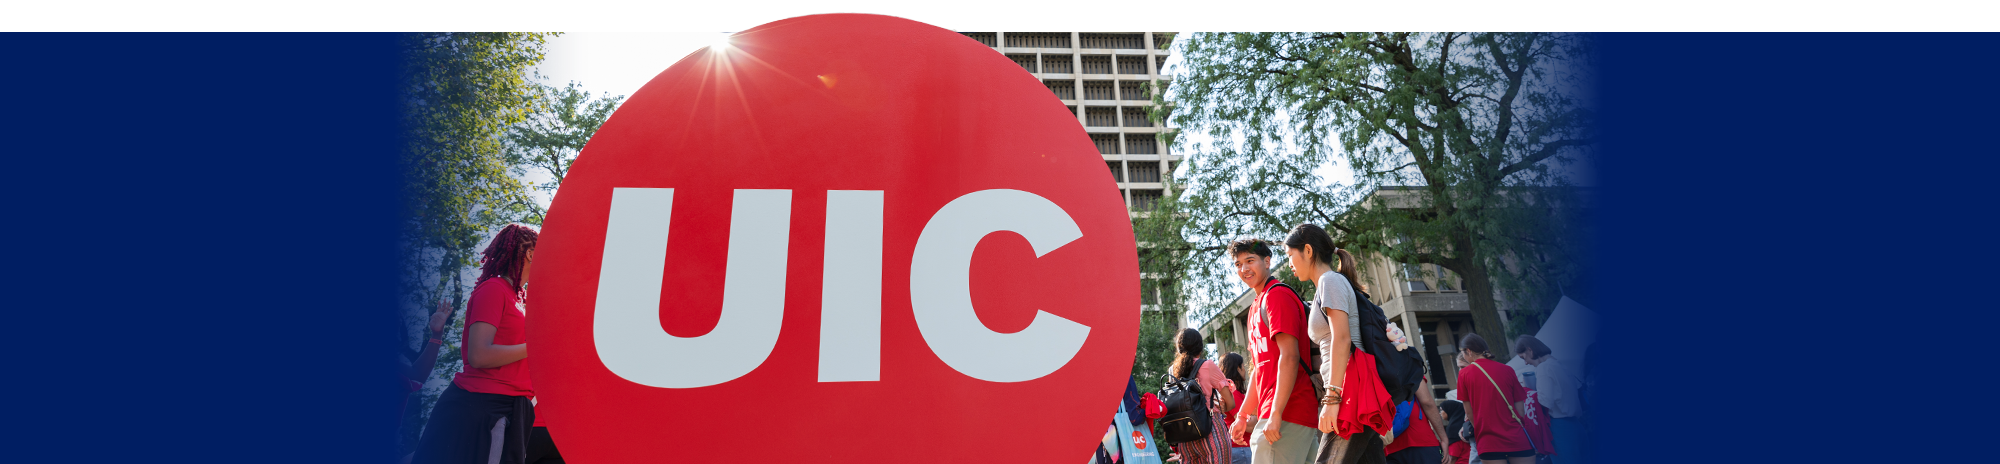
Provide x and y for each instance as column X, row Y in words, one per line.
column 1496, row 429
column 1417, row 436
column 1231, row 419
column 494, row 302
column 1287, row 315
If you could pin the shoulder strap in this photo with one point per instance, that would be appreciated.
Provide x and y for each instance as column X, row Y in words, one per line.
column 1319, row 391
column 1510, row 405
column 1353, row 316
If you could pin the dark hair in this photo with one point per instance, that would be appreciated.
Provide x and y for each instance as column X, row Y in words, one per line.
column 1250, row 245
column 1323, row 251
column 1232, row 367
column 506, row 254
column 1476, row 344
column 1528, row 343
column 1187, row 348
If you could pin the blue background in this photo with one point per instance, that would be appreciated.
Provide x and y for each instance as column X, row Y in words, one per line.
column 1794, row 246
column 202, row 250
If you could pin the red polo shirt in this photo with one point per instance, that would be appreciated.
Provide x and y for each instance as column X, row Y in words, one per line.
column 1279, row 310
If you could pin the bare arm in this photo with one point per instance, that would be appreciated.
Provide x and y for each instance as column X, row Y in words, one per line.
column 1288, row 356
column 481, row 353
column 1337, row 320
column 1431, row 413
column 420, row 369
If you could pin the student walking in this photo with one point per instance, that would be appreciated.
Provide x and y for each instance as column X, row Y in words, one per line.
column 1419, row 443
column 484, row 416
column 1280, row 411
column 1494, row 404
column 1188, row 362
column 1313, row 256
column 1556, row 389
column 1232, row 367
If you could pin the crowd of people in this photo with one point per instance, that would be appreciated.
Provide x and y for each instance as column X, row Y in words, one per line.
column 1309, row 394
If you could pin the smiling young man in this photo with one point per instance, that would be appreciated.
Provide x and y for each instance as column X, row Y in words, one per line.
column 1280, row 412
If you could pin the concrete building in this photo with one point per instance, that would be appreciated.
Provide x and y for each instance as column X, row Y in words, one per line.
column 1107, row 80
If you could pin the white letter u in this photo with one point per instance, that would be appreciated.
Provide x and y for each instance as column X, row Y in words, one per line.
column 626, row 328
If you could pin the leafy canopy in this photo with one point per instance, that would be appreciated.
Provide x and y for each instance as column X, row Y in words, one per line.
column 1463, row 148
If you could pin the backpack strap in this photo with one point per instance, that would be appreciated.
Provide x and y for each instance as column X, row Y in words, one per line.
column 1319, row 390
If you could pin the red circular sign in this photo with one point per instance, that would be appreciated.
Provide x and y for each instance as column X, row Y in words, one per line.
column 843, row 238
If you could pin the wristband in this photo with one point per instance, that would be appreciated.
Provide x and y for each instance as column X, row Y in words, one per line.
column 438, row 342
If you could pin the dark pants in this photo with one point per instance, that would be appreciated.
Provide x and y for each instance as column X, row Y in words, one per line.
column 1417, row 455
column 1364, row 447
column 461, row 429
column 541, row 448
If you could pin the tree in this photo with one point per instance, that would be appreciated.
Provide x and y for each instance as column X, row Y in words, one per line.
column 550, row 138
column 1475, row 134
column 460, row 94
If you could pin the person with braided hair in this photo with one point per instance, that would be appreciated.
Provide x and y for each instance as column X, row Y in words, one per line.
column 485, row 415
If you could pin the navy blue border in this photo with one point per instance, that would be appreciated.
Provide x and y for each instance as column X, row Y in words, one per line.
column 202, row 245
column 1794, row 245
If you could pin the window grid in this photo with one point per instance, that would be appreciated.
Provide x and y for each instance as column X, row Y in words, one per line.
column 1134, row 91
column 1065, row 90
column 1106, row 143
column 1132, row 65
column 1096, row 64
column 1100, row 117
column 1026, row 61
column 1124, row 41
column 1038, row 39
column 1136, row 117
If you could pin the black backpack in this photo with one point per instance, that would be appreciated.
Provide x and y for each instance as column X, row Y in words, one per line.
column 1402, row 371
column 1187, row 416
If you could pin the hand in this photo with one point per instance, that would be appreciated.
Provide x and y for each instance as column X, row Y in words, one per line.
column 1239, row 432
column 438, row 317
column 1271, row 430
column 1329, row 416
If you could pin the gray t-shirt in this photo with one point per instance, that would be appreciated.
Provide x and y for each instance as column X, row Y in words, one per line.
column 1333, row 293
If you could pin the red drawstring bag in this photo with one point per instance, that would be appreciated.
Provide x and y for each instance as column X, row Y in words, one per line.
column 1363, row 401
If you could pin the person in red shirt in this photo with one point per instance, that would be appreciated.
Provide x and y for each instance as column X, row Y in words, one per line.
column 1281, row 403
column 491, row 398
column 1232, row 367
column 1419, row 443
column 1494, row 403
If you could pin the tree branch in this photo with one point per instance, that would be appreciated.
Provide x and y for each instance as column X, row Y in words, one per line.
column 1548, row 150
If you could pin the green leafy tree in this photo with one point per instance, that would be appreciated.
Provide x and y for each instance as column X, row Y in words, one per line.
column 549, row 139
column 460, row 94
column 1475, row 134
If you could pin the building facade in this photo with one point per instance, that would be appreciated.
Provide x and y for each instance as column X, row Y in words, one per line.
column 1107, row 80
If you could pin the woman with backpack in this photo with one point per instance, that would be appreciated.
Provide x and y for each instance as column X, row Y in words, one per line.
column 1313, row 257
column 1494, row 404
column 1188, row 363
